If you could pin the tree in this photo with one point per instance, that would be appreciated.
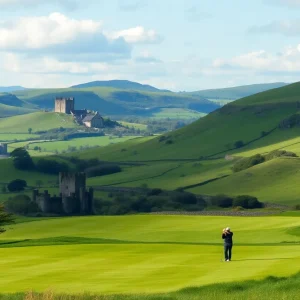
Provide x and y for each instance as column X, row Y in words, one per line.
column 238, row 144
column 29, row 130
column 5, row 218
column 22, row 159
column 17, row 185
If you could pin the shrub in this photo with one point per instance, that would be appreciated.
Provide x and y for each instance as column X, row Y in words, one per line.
column 221, row 201
column 247, row 202
column 297, row 207
column 279, row 153
column 103, row 170
column 22, row 159
column 154, row 192
column 184, row 198
column 51, row 166
column 17, row 185
column 21, row 204
column 248, row 162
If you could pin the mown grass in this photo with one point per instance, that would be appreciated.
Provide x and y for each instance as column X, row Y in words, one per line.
column 268, row 288
column 144, row 254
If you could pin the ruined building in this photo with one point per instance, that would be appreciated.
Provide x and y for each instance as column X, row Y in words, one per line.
column 64, row 105
column 81, row 116
column 73, row 198
column 3, row 149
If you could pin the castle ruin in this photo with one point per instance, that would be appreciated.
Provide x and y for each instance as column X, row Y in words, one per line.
column 64, row 105
column 73, row 198
column 3, row 149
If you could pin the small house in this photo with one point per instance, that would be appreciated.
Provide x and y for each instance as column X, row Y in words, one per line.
column 93, row 121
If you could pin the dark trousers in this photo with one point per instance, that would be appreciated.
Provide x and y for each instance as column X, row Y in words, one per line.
column 227, row 251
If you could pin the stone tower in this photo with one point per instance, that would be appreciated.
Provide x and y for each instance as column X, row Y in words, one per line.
column 75, row 197
column 64, row 105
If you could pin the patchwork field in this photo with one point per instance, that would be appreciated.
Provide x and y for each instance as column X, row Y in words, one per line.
column 144, row 254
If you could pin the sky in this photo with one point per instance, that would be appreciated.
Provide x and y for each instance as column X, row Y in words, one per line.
column 180, row 45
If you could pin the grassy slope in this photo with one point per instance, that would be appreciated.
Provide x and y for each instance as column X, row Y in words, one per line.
column 37, row 121
column 112, row 101
column 275, row 181
column 7, row 110
column 239, row 91
column 135, row 254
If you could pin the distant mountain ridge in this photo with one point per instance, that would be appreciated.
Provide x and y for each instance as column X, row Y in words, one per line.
column 9, row 89
column 120, row 84
column 238, row 92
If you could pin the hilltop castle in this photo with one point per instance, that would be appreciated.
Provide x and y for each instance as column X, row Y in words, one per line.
column 67, row 106
column 73, row 197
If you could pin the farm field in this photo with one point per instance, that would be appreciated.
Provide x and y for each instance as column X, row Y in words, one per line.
column 144, row 254
column 10, row 137
column 52, row 146
column 177, row 113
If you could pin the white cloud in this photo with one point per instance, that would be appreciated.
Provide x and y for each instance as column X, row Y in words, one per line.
column 288, row 61
column 287, row 27
column 62, row 37
column 138, row 35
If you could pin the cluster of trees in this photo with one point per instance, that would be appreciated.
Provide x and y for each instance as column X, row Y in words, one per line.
column 23, row 161
column 251, row 161
column 244, row 201
column 153, row 200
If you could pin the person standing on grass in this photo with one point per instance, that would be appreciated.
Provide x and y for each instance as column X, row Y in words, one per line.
column 227, row 237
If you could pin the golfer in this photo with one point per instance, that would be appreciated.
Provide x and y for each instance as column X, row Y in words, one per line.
column 227, row 237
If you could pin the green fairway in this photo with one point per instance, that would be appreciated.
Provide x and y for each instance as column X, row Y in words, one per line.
column 37, row 121
column 144, row 254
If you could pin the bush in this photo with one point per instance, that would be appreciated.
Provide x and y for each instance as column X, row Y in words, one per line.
column 184, row 198
column 279, row 153
column 17, row 185
column 297, row 207
column 154, row 192
column 21, row 204
column 22, row 159
column 247, row 202
column 248, row 162
column 51, row 166
column 222, row 201
column 103, row 170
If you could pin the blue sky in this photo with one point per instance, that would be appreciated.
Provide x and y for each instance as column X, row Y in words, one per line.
column 178, row 45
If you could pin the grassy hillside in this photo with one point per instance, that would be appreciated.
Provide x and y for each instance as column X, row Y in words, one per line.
column 116, row 102
column 38, row 121
column 119, row 84
column 143, row 254
column 8, row 111
column 8, row 89
column 239, row 91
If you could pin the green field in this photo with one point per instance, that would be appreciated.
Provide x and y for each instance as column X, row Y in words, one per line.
column 8, row 111
column 177, row 113
column 60, row 146
column 10, row 137
column 144, row 254
column 142, row 127
column 37, row 121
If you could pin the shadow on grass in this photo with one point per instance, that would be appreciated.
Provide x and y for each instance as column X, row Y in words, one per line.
column 279, row 258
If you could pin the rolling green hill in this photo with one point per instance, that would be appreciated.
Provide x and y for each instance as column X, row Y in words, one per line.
column 196, row 153
column 8, row 111
column 8, row 89
column 238, row 92
column 115, row 102
column 119, row 84
column 38, row 121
